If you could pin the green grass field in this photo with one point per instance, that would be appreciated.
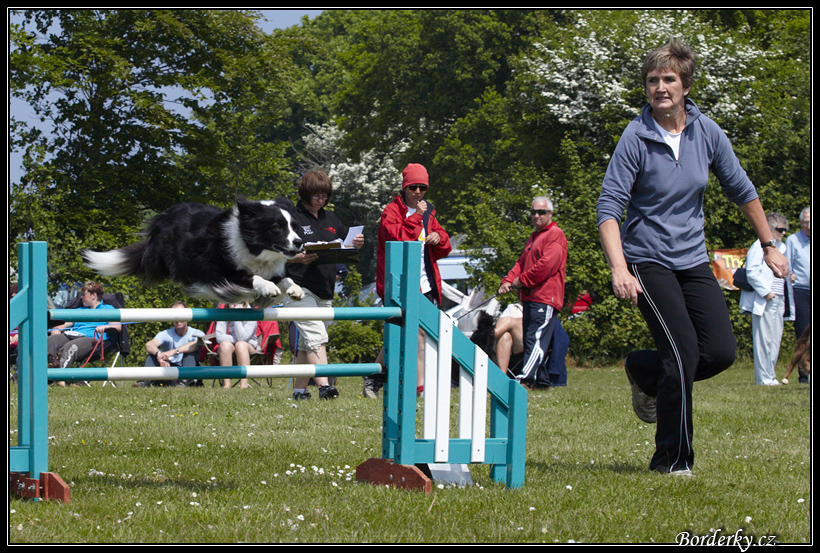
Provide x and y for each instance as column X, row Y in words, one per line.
column 207, row 465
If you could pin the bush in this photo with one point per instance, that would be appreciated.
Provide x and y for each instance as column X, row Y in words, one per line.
column 610, row 329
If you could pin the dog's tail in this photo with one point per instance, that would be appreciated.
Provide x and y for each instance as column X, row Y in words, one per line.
column 127, row 261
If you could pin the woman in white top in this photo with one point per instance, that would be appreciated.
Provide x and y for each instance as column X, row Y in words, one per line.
column 770, row 303
column 236, row 338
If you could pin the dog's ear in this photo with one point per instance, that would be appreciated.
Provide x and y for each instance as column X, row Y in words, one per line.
column 247, row 208
column 484, row 320
column 243, row 203
column 284, row 203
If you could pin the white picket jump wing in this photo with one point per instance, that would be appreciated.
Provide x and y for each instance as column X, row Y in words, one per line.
column 442, row 398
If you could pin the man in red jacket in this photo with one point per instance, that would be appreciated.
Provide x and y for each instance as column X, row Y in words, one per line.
column 539, row 276
column 409, row 217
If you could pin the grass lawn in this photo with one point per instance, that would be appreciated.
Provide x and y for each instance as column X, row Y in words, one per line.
column 207, row 465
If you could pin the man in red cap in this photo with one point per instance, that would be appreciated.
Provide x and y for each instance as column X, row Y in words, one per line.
column 409, row 217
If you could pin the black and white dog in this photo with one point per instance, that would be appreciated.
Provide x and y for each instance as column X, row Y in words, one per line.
column 228, row 256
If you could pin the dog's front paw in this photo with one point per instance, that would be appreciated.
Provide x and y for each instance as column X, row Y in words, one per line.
column 295, row 292
column 265, row 287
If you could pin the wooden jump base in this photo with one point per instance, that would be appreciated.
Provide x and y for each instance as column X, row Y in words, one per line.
column 405, row 311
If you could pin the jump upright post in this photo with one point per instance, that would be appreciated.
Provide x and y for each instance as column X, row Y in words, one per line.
column 402, row 450
column 405, row 312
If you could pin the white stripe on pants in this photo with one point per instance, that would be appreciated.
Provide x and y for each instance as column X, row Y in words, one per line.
column 536, row 355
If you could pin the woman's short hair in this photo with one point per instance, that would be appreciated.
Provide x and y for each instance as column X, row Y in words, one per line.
column 776, row 219
column 93, row 288
column 313, row 183
column 675, row 56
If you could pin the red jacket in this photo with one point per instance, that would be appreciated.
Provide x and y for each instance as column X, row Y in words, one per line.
column 396, row 227
column 542, row 267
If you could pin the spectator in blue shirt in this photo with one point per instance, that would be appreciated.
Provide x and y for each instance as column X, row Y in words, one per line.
column 177, row 346
column 74, row 342
column 798, row 252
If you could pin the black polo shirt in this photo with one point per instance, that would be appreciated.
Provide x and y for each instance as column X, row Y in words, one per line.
column 325, row 227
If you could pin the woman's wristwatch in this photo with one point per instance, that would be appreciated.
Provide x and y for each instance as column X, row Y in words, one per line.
column 769, row 244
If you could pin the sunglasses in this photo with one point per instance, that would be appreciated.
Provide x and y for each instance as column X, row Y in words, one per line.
column 414, row 187
column 539, row 211
column 781, row 229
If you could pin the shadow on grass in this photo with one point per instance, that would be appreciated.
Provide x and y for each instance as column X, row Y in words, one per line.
column 114, row 482
column 567, row 467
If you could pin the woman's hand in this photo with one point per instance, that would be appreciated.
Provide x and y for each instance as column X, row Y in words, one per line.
column 433, row 239
column 305, row 258
column 626, row 286
column 777, row 262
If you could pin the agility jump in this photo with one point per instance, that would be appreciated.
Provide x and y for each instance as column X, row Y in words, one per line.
column 405, row 311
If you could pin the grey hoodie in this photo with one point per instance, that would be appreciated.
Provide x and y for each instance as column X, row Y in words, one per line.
column 663, row 196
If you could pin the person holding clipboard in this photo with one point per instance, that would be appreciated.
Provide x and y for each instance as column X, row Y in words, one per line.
column 316, row 278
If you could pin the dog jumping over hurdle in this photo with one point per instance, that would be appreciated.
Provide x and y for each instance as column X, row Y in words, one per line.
column 229, row 256
column 801, row 356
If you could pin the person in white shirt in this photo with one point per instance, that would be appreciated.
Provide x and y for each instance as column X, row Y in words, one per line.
column 770, row 303
column 177, row 346
column 236, row 338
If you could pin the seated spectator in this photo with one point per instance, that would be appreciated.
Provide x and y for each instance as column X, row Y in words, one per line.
column 73, row 342
column 509, row 336
column 509, row 347
column 177, row 346
column 13, row 337
column 236, row 339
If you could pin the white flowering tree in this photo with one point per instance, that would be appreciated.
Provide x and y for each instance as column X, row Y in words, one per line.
column 362, row 187
column 590, row 72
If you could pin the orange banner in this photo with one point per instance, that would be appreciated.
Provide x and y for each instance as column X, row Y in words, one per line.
column 724, row 263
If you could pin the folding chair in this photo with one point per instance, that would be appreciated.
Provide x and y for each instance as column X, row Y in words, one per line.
column 267, row 333
column 13, row 356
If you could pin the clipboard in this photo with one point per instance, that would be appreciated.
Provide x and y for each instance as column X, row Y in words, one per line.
column 336, row 251
column 316, row 247
column 336, row 255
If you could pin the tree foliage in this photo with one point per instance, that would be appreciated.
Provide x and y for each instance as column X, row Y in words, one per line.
column 144, row 108
column 128, row 98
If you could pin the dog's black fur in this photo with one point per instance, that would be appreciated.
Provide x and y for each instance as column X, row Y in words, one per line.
column 484, row 334
column 228, row 256
column 484, row 337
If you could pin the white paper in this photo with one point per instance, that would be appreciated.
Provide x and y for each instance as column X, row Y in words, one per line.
column 351, row 234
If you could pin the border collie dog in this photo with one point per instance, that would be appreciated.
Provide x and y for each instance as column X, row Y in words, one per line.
column 228, row 256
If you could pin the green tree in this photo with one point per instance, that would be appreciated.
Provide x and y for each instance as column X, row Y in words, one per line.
column 409, row 75
column 144, row 109
column 571, row 95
